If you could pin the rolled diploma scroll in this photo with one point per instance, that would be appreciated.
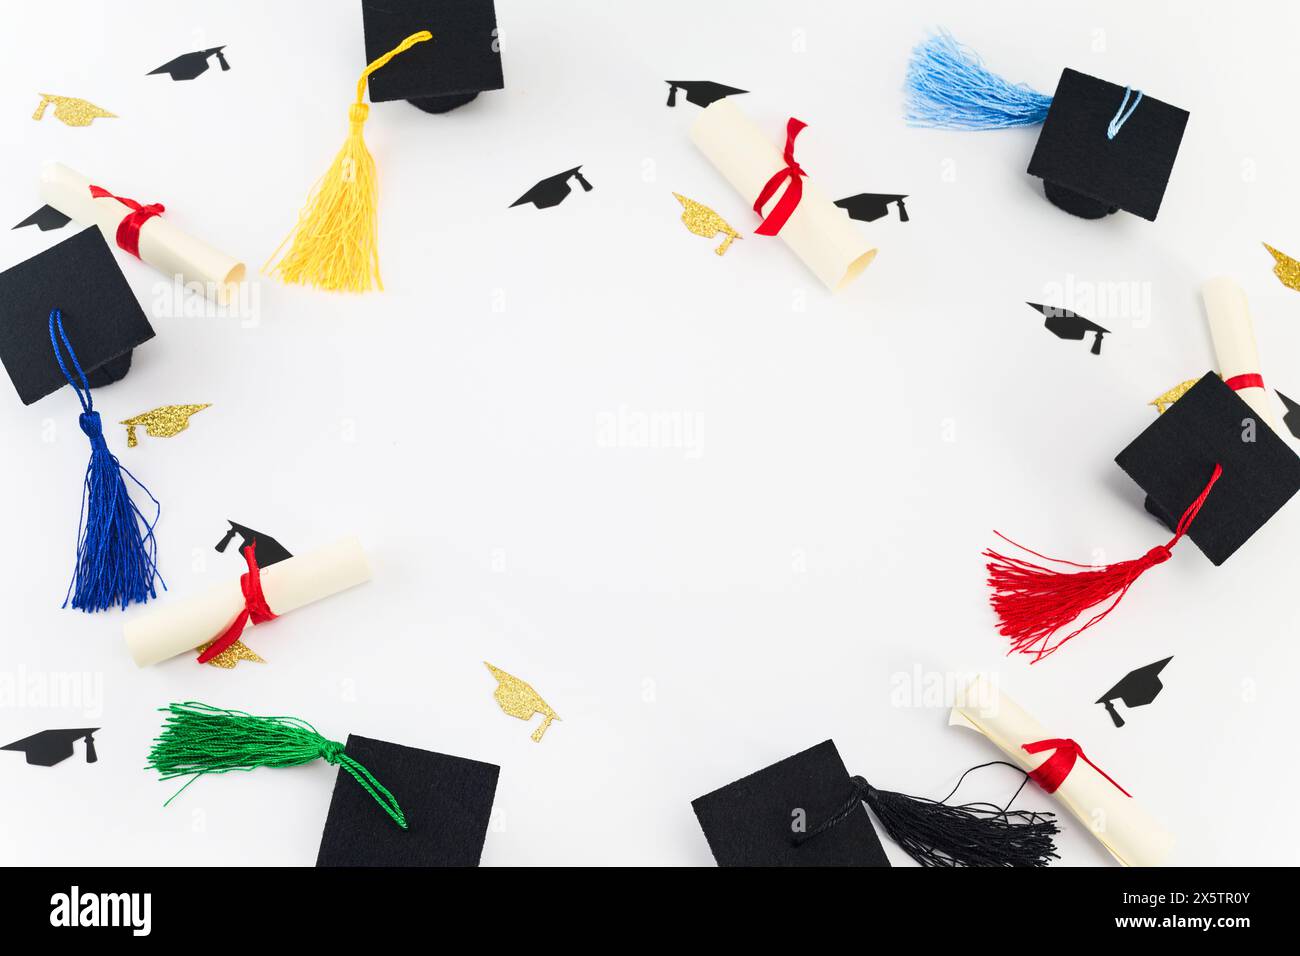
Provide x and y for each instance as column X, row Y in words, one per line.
column 1234, row 340
column 818, row 231
column 1123, row 827
column 162, row 245
column 181, row 626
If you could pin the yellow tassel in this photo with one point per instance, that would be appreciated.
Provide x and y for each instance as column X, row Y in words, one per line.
column 335, row 245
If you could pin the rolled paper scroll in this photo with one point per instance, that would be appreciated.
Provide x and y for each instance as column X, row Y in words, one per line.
column 1132, row 836
column 819, row 232
column 1234, row 344
column 160, row 243
column 183, row 625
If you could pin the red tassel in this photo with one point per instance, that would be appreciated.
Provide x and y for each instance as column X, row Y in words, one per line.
column 1033, row 602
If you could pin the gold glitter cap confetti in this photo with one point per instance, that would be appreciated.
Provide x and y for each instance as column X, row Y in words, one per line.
column 1285, row 268
column 518, row 699
column 71, row 110
column 161, row 422
column 232, row 655
column 1163, row 401
column 703, row 221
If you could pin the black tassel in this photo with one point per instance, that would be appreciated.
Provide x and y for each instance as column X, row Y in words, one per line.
column 935, row 834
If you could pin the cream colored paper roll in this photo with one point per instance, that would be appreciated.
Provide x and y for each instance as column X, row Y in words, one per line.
column 180, row 626
column 162, row 245
column 1123, row 827
column 819, row 232
column 1234, row 341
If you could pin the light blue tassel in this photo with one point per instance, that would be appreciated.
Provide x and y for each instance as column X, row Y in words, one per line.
column 116, row 563
column 949, row 88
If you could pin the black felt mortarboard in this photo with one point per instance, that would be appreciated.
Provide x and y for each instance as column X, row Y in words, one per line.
column 1176, row 453
column 46, row 218
column 751, row 822
column 267, row 552
column 49, row 747
column 80, row 277
column 868, row 207
column 1089, row 173
column 463, row 60
column 189, row 65
column 1065, row 324
column 699, row 92
column 1136, row 689
column 552, row 190
column 447, row 802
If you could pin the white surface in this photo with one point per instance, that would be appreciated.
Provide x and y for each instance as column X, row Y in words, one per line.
column 695, row 612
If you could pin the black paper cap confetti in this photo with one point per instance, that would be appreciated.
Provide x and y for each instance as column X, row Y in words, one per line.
column 49, row 747
column 463, row 60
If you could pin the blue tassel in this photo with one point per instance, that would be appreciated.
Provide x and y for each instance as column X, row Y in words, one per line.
column 949, row 88
column 116, row 561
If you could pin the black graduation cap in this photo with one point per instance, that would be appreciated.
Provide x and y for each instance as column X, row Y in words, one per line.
column 752, row 822
column 45, row 218
column 699, row 92
column 1091, row 173
column 1292, row 417
column 268, row 551
column 1065, row 324
column 1135, row 689
column 447, row 802
column 463, row 60
column 189, row 65
column 81, row 277
column 552, row 190
column 49, row 747
column 868, row 207
column 1176, row 454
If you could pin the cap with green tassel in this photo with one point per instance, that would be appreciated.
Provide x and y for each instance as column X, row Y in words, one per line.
column 198, row 739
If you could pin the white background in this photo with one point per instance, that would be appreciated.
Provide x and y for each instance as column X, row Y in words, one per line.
column 693, row 612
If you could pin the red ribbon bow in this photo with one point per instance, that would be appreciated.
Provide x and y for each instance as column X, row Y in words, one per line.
column 255, row 609
column 1052, row 772
column 128, row 230
column 789, row 200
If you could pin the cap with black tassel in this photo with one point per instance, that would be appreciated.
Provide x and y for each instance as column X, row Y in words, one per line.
column 807, row 811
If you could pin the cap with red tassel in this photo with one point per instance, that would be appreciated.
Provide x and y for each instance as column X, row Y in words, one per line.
column 1207, row 460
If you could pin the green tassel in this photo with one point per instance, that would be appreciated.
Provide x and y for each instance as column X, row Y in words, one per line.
column 199, row 738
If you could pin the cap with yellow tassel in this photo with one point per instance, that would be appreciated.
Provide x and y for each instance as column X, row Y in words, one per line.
column 334, row 246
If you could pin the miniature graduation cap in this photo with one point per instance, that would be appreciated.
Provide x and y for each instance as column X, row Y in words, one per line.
column 267, row 550
column 1102, row 148
column 80, row 277
column 1292, row 417
column 1137, row 688
column 189, row 65
column 1065, row 324
column 165, row 421
column 46, row 218
column 552, row 190
column 447, row 802
column 1213, row 472
column 699, row 92
column 463, row 60
column 392, row 805
column 49, row 747
column 335, row 244
column 868, row 207
column 807, row 811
